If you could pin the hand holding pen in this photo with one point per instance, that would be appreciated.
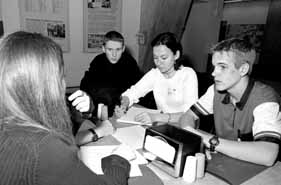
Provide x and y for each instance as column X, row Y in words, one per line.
column 122, row 109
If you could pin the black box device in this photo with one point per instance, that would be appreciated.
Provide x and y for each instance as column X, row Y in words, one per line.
column 171, row 145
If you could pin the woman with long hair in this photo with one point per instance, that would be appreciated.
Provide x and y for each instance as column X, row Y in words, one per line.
column 36, row 142
column 174, row 87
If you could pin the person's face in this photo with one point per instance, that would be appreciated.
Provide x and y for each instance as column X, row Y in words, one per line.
column 113, row 50
column 225, row 74
column 164, row 58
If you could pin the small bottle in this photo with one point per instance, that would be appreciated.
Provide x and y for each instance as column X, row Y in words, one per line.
column 200, row 165
column 189, row 173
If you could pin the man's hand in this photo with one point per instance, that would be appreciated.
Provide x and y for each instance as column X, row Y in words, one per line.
column 80, row 100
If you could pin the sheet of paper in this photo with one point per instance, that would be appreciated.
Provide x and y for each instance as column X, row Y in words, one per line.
column 92, row 155
column 129, row 117
column 160, row 148
column 132, row 136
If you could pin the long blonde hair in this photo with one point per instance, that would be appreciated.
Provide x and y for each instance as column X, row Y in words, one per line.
column 32, row 87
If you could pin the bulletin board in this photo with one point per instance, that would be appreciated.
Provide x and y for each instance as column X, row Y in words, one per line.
column 99, row 17
column 48, row 17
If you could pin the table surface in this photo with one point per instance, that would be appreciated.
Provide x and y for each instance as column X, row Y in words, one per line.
column 270, row 176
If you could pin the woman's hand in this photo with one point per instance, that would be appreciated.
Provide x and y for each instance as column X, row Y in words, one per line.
column 145, row 118
column 121, row 109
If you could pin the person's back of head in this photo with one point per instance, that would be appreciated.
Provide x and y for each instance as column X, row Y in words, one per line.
column 244, row 51
column 32, row 82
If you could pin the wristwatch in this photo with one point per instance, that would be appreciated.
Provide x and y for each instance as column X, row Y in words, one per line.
column 95, row 136
column 214, row 141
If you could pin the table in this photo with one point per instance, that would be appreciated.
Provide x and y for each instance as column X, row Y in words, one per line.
column 154, row 176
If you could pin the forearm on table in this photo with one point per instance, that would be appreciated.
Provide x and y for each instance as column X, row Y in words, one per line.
column 83, row 137
column 259, row 152
column 88, row 135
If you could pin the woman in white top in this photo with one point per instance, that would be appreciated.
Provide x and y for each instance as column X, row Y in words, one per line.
column 175, row 88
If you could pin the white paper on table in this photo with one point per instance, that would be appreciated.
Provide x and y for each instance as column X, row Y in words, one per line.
column 92, row 155
column 129, row 117
column 132, row 136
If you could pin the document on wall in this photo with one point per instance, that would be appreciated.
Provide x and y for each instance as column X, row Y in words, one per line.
column 92, row 156
column 98, row 18
column 49, row 18
column 129, row 117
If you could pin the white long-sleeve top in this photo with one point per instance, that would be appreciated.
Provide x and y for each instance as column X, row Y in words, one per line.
column 175, row 94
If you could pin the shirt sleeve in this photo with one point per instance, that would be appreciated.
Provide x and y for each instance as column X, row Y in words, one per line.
column 190, row 89
column 204, row 106
column 58, row 163
column 141, row 88
column 267, row 121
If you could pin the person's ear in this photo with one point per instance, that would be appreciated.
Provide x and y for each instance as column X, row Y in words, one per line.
column 244, row 69
column 124, row 48
column 177, row 55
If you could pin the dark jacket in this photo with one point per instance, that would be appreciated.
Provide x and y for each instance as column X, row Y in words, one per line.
column 105, row 81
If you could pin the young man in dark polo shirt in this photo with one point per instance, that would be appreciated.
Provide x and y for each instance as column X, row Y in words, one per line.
column 246, row 112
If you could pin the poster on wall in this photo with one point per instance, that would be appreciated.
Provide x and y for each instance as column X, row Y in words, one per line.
column 100, row 16
column 48, row 17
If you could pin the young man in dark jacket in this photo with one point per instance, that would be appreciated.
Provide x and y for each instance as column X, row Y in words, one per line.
column 110, row 73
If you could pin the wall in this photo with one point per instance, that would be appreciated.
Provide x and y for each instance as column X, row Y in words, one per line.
column 252, row 12
column 76, row 62
column 199, row 34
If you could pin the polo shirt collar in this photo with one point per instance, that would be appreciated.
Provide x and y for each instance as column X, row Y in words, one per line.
column 245, row 96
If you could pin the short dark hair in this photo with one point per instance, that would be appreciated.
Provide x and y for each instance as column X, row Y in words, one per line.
column 113, row 36
column 244, row 51
column 170, row 41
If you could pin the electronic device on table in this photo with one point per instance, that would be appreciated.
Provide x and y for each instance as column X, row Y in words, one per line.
column 171, row 145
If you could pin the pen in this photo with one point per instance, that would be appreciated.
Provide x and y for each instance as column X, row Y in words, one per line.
column 238, row 135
